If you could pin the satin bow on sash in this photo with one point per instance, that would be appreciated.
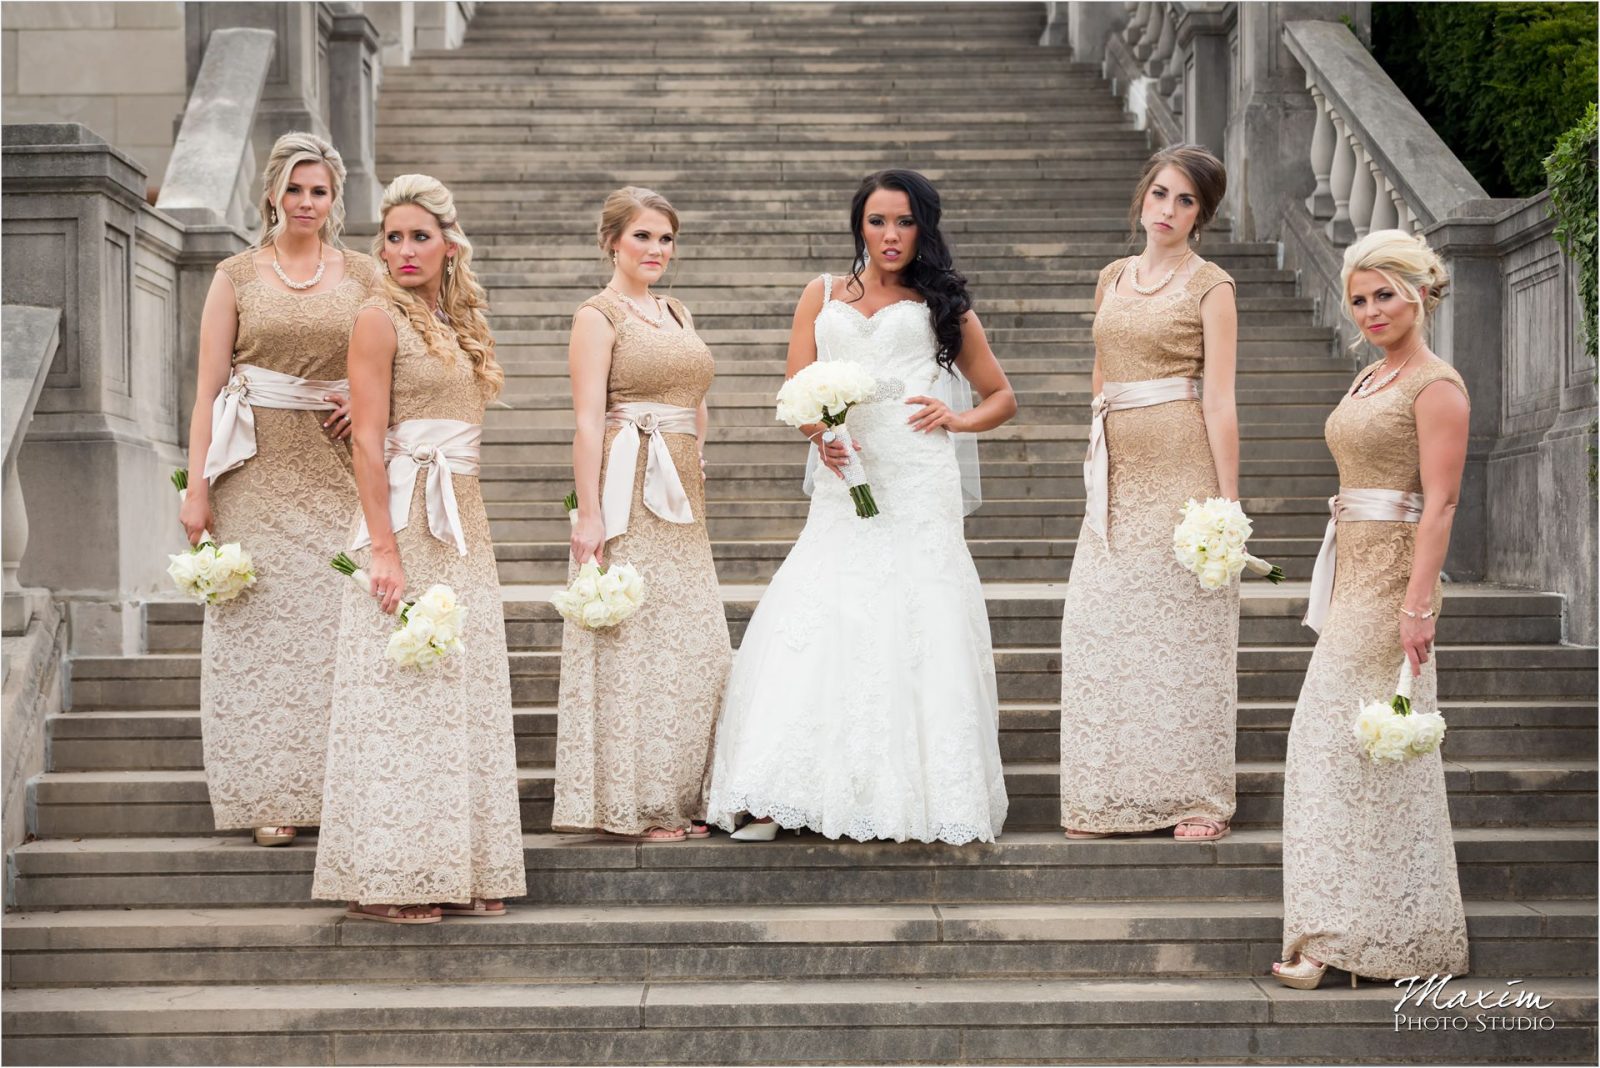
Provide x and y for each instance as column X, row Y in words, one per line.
column 1353, row 506
column 1117, row 397
column 442, row 446
column 233, row 420
column 663, row 489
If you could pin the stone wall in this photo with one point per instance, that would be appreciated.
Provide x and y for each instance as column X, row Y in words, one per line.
column 117, row 68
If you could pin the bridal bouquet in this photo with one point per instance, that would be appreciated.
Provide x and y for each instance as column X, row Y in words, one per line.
column 430, row 626
column 1209, row 540
column 1391, row 733
column 601, row 597
column 823, row 393
column 209, row 573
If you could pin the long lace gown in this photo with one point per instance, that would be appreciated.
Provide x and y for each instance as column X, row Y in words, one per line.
column 1369, row 862
column 863, row 700
column 266, row 665
column 1148, row 686
column 638, row 701
column 421, row 797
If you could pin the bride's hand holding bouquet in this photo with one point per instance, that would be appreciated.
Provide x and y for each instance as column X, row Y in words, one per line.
column 823, row 392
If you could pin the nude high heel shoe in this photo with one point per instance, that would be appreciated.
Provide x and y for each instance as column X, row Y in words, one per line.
column 1303, row 975
column 763, row 831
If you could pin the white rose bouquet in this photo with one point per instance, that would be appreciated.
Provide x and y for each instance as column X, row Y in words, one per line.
column 209, row 573
column 430, row 626
column 1391, row 732
column 823, row 393
column 1210, row 541
column 601, row 597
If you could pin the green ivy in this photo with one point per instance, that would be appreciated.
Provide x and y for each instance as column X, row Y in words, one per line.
column 1574, row 192
column 1498, row 81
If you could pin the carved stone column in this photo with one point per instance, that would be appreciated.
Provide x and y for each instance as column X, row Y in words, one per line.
column 353, row 74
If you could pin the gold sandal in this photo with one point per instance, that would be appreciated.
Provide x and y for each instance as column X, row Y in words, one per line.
column 391, row 914
column 1219, row 829
column 477, row 907
column 274, row 836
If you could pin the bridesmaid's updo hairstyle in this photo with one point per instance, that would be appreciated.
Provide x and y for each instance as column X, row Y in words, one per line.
column 461, row 297
column 1206, row 171
column 1406, row 262
column 931, row 271
column 288, row 152
column 620, row 209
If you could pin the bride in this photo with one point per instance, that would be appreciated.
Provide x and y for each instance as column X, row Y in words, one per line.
column 863, row 699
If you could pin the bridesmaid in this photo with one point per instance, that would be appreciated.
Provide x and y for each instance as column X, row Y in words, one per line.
column 1147, row 656
column 639, row 702
column 1369, row 864
column 271, row 471
column 420, row 812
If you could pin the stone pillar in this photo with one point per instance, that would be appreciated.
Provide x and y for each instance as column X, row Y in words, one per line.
column 396, row 21
column 296, row 94
column 442, row 23
column 1272, row 122
column 80, row 237
column 1088, row 24
column 1203, row 31
column 353, row 92
column 1468, row 333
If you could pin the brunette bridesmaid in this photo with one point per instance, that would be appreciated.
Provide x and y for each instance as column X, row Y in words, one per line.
column 420, row 812
column 1369, row 862
column 270, row 469
column 1147, row 656
column 639, row 700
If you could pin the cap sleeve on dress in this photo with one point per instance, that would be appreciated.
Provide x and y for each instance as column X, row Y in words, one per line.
column 363, row 269
column 1439, row 371
column 1209, row 276
column 240, row 268
column 605, row 306
column 1110, row 272
column 684, row 318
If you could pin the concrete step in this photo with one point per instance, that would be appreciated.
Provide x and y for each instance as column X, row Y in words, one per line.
column 1507, row 730
column 794, row 1022
column 669, row 944
column 1523, row 864
column 1483, row 793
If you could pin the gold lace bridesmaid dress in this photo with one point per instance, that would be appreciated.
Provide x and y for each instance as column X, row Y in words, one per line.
column 1369, row 863
column 266, row 665
column 1148, row 686
column 639, row 701
column 421, row 799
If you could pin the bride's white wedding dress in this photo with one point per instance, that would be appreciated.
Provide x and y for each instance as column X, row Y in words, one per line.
column 863, row 699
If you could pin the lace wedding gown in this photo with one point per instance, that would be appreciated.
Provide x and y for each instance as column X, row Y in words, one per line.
column 863, row 700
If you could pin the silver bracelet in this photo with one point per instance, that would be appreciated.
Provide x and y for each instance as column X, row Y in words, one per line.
column 1424, row 614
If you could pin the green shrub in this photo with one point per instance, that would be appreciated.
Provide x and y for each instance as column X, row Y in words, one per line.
column 1498, row 81
column 1574, row 192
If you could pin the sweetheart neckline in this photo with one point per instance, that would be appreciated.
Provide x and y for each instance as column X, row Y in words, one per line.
column 880, row 311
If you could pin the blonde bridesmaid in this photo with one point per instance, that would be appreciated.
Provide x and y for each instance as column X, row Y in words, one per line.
column 270, row 469
column 639, row 701
column 420, row 813
column 1369, row 863
column 1147, row 656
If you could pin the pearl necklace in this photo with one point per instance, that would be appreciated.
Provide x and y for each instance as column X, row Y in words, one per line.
column 1159, row 286
column 658, row 320
column 1368, row 387
column 277, row 269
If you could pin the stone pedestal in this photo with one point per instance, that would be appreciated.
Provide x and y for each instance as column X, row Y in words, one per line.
column 442, row 24
column 396, row 22
column 1088, row 26
column 353, row 88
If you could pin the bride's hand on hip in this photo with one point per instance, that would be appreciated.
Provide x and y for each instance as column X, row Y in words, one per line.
column 589, row 539
column 935, row 413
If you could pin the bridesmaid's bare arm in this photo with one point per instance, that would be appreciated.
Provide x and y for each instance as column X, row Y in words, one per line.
column 1097, row 379
column 371, row 368
column 589, row 363
column 219, row 331
column 1441, row 411
column 1219, row 322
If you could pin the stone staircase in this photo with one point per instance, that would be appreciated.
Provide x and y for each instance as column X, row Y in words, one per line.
column 137, row 935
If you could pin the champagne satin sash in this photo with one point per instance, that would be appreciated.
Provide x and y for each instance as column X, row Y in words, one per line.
column 663, row 489
column 233, row 419
column 1353, row 506
column 1117, row 397
column 441, row 446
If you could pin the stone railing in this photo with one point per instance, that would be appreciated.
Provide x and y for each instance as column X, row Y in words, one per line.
column 34, row 633
column 1322, row 148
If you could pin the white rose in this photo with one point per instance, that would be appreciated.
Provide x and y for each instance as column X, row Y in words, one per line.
column 426, row 657
column 1394, row 739
column 420, row 627
column 402, row 648
column 1214, row 576
column 438, row 602
column 595, row 614
column 1427, row 732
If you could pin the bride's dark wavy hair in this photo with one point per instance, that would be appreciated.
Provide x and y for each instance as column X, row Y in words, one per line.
column 931, row 272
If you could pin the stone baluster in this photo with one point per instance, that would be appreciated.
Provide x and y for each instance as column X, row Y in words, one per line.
column 1384, row 215
column 1363, row 190
column 1320, row 202
column 1166, row 38
column 1405, row 219
column 1149, row 26
column 1340, row 175
column 1170, row 80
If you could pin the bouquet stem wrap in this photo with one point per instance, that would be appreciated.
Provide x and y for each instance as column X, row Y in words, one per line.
column 855, row 472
